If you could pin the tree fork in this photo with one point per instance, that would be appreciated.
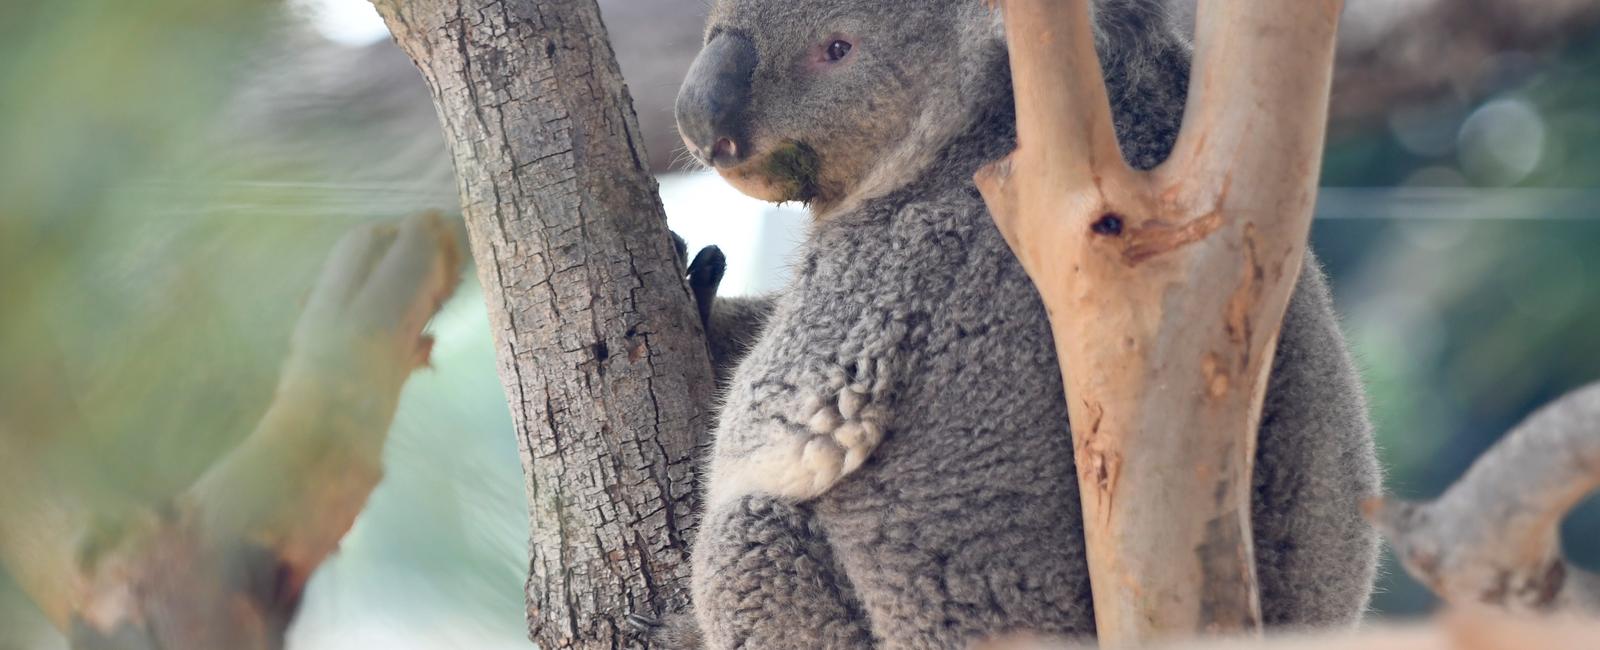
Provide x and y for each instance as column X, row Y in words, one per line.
column 600, row 348
column 1166, row 290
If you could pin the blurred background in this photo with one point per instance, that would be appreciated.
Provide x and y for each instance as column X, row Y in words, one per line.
column 172, row 173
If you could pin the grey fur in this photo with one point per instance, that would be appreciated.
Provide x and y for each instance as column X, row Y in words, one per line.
column 912, row 344
column 734, row 327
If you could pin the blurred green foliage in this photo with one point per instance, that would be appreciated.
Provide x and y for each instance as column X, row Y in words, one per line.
column 118, row 326
column 1465, row 326
column 151, row 268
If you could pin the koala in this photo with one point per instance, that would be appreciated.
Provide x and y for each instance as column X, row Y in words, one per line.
column 889, row 467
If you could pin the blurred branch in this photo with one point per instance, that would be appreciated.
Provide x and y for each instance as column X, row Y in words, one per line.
column 1494, row 537
column 1392, row 54
column 224, row 564
column 1456, row 631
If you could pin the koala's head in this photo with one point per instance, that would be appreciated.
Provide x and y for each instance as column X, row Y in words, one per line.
column 819, row 100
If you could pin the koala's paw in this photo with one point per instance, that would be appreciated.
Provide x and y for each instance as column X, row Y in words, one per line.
column 704, row 274
column 825, row 435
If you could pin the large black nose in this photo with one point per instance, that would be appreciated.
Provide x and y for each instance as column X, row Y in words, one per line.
column 713, row 101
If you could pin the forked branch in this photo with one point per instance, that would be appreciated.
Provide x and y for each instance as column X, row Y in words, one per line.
column 1166, row 290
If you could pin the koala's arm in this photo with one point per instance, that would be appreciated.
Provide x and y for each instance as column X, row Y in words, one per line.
column 1315, row 463
column 732, row 325
column 803, row 441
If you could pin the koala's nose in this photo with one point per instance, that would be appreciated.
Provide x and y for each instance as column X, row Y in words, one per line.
column 713, row 103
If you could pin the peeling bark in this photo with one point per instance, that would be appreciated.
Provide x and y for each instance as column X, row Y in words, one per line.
column 601, row 351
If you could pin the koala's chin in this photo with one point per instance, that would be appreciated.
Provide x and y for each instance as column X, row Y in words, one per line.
column 753, row 180
column 789, row 172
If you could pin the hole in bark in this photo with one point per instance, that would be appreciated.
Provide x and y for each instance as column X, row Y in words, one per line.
column 1109, row 225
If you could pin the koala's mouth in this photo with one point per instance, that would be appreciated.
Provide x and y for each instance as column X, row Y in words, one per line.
column 790, row 171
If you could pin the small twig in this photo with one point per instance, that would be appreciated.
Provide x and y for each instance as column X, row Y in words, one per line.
column 1494, row 537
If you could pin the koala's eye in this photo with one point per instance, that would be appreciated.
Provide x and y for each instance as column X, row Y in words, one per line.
column 837, row 50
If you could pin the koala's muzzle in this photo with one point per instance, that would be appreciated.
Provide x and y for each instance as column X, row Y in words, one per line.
column 713, row 101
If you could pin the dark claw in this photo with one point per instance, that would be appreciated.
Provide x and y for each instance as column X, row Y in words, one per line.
column 708, row 267
column 705, row 275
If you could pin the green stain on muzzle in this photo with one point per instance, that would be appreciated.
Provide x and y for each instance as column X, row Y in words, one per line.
column 795, row 165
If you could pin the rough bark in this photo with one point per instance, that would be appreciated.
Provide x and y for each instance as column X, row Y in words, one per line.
column 1493, row 538
column 600, row 347
column 1166, row 291
column 224, row 564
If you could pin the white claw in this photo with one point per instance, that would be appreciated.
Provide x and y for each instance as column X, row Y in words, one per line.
column 837, row 378
column 824, row 421
column 853, row 459
column 810, row 403
column 871, row 433
column 822, row 459
column 851, row 402
column 851, row 435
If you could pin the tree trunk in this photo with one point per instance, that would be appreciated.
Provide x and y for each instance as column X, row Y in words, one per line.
column 1166, row 291
column 600, row 349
